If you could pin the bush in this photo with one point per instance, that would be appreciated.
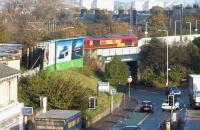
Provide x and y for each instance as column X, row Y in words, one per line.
column 117, row 71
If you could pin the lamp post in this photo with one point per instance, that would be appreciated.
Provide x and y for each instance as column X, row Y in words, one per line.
column 166, row 31
column 129, row 86
column 175, row 26
column 190, row 26
column 196, row 29
column 146, row 29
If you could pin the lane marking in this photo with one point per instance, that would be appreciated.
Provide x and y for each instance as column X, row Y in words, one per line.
column 144, row 119
column 149, row 91
column 181, row 109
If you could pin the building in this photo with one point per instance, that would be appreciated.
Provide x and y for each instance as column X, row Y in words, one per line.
column 10, row 55
column 59, row 120
column 10, row 108
column 146, row 5
column 97, row 4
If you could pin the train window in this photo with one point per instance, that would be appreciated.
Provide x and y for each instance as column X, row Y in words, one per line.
column 96, row 43
column 128, row 42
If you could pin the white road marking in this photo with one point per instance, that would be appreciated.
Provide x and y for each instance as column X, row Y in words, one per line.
column 150, row 91
column 144, row 119
column 181, row 109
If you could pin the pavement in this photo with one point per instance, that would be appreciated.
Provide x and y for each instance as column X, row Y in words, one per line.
column 112, row 119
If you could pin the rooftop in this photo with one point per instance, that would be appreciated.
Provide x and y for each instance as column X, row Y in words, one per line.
column 9, row 49
column 58, row 114
column 6, row 71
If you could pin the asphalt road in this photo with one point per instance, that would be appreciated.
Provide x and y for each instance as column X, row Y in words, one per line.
column 153, row 121
column 192, row 120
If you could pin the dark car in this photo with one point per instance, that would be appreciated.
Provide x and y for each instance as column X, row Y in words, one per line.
column 146, row 106
column 131, row 128
column 173, row 90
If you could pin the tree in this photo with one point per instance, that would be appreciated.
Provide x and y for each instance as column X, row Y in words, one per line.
column 153, row 63
column 157, row 21
column 195, row 55
column 154, row 55
column 2, row 31
column 120, row 28
column 63, row 92
column 117, row 71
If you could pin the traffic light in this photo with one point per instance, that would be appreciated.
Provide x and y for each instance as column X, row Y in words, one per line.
column 171, row 100
column 92, row 102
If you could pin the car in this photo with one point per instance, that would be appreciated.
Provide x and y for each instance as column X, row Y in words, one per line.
column 146, row 106
column 173, row 91
column 64, row 52
column 131, row 128
column 165, row 105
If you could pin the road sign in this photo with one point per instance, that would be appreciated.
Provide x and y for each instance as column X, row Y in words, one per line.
column 27, row 111
column 113, row 91
column 103, row 86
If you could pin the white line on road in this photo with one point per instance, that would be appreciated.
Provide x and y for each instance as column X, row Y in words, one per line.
column 150, row 91
column 144, row 119
column 181, row 109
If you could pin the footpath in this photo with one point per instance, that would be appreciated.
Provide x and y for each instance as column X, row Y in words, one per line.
column 112, row 119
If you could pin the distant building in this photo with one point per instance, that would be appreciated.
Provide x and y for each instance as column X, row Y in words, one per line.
column 97, row 4
column 10, row 55
column 146, row 5
column 10, row 108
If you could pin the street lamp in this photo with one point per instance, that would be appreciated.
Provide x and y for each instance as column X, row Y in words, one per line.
column 175, row 26
column 129, row 86
column 166, row 31
column 196, row 29
column 146, row 29
column 190, row 26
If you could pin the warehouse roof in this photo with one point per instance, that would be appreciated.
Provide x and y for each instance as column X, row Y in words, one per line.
column 58, row 114
column 6, row 71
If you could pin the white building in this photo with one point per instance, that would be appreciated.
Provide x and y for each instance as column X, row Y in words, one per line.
column 146, row 5
column 10, row 108
column 98, row 4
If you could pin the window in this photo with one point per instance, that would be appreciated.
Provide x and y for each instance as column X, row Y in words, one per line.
column 96, row 43
column 128, row 42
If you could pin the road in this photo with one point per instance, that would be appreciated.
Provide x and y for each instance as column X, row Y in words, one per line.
column 157, row 97
column 192, row 120
column 152, row 121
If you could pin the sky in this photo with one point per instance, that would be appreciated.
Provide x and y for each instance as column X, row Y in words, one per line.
column 185, row 2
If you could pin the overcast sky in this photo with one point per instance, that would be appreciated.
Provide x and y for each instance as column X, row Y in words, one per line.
column 185, row 2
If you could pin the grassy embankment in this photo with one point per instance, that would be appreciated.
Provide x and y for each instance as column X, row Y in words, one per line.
column 103, row 99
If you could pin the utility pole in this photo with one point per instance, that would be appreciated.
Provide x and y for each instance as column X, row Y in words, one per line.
column 181, row 26
column 131, row 18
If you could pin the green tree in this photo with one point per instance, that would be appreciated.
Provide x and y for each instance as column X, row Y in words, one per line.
column 154, row 55
column 195, row 55
column 117, row 71
column 63, row 92
column 157, row 21
column 153, row 63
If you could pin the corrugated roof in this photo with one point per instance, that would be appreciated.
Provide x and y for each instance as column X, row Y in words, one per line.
column 6, row 71
column 58, row 114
